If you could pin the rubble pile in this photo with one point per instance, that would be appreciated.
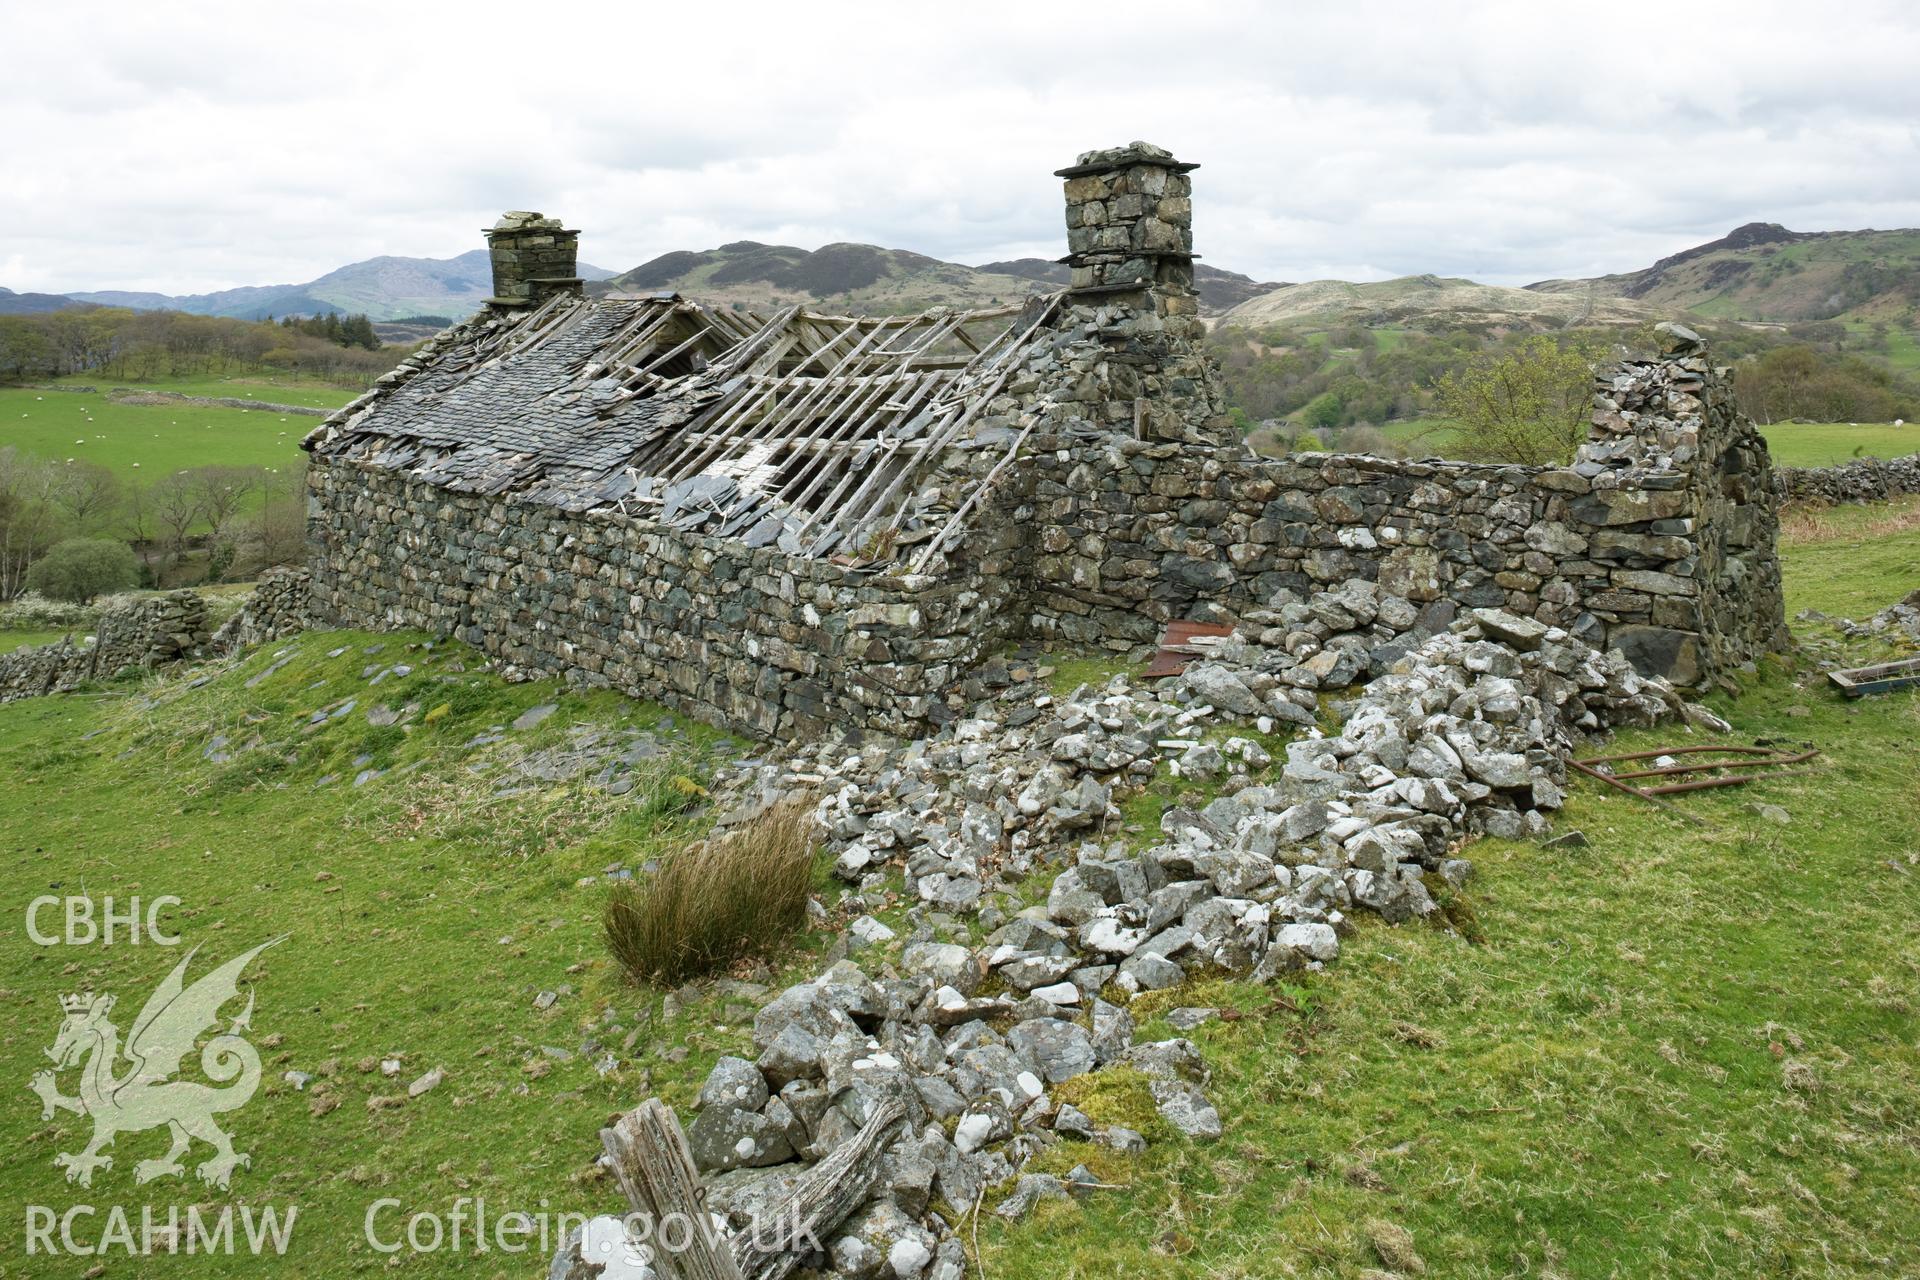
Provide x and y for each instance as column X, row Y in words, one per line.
column 1897, row 622
column 1463, row 729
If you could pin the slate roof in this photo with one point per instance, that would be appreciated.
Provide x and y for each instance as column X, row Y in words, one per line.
column 808, row 430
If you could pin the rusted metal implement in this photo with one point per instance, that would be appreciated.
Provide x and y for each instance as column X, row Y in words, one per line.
column 1882, row 677
column 1181, row 643
column 1765, row 758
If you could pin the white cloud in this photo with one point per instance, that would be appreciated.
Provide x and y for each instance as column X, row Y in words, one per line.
column 199, row 147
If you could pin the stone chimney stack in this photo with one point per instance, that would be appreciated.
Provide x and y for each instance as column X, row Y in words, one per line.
column 534, row 258
column 1130, row 226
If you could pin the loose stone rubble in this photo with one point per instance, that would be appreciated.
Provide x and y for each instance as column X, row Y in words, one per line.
column 1897, row 622
column 1462, row 727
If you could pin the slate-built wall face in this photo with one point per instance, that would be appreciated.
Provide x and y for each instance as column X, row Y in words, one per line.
column 1657, row 540
column 771, row 644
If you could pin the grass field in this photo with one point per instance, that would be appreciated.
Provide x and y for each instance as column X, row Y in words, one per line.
column 1792, row 444
column 269, row 388
column 144, row 442
column 23, row 639
column 423, row 914
column 1851, row 561
column 1678, row 1051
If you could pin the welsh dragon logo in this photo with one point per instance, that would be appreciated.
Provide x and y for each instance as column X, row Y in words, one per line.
column 146, row 1096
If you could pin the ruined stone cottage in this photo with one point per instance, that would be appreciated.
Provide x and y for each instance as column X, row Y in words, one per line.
column 791, row 521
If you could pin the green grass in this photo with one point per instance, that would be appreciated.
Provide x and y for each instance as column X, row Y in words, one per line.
column 423, row 916
column 273, row 388
column 1827, row 444
column 1680, row 1051
column 1853, row 560
column 11, row 639
column 144, row 442
column 1422, row 437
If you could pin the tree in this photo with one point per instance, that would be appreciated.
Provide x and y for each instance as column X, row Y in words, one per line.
column 86, row 493
column 222, row 490
column 173, row 503
column 28, row 518
column 79, row 569
column 1528, row 405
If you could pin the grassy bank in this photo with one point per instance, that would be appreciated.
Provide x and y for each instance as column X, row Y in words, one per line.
column 425, row 911
column 1678, row 1050
column 1851, row 560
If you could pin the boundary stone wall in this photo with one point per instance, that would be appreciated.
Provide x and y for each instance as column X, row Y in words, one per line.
column 144, row 633
column 1657, row 540
column 1862, row 480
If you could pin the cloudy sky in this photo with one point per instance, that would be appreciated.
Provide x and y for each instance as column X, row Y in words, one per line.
column 189, row 147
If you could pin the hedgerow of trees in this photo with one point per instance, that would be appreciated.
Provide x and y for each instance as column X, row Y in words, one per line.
column 1290, row 388
column 347, row 331
column 200, row 524
column 115, row 343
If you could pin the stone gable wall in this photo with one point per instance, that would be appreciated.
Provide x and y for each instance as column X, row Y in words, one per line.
column 760, row 641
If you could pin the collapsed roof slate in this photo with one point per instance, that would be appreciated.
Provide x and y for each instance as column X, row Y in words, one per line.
column 812, row 432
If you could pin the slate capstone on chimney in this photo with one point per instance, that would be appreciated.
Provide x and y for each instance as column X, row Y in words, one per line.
column 534, row 258
column 1130, row 225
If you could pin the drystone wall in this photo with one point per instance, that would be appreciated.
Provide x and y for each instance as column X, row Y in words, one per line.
column 1862, row 480
column 772, row 644
column 278, row 606
column 1657, row 540
column 144, row 633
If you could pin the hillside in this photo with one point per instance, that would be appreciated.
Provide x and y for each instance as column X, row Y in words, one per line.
column 853, row 277
column 864, row 277
column 17, row 304
column 1764, row 272
column 1220, row 291
column 1435, row 301
column 385, row 288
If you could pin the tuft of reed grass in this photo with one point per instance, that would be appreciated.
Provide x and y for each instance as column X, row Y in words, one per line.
column 715, row 901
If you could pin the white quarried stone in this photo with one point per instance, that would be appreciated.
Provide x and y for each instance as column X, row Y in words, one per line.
column 1059, row 993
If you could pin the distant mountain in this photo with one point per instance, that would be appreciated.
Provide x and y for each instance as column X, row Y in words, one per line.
column 385, row 288
column 1219, row 291
column 1440, row 300
column 865, row 278
column 1764, row 272
column 860, row 278
column 15, row 304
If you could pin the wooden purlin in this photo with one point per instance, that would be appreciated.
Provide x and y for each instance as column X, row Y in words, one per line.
column 844, row 517
column 858, row 414
column 1001, row 367
column 826, row 424
column 815, row 395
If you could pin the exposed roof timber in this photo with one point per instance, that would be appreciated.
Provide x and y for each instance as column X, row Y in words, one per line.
column 816, row 431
